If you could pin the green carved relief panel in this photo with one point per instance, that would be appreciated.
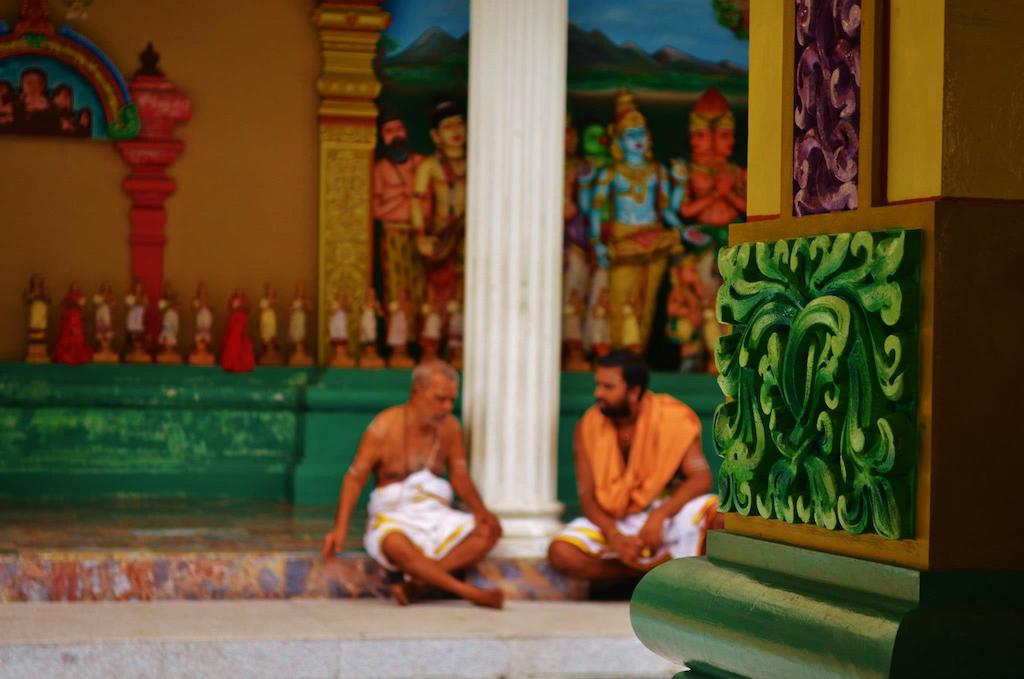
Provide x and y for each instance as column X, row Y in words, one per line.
column 820, row 379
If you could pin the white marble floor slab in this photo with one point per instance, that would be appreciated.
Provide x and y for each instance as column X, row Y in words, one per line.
column 329, row 639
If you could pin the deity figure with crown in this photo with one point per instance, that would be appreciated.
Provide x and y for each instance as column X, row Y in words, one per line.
column 709, row 192
column 641, row 233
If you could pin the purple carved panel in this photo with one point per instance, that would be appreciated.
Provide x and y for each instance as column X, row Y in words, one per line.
column 826, row 106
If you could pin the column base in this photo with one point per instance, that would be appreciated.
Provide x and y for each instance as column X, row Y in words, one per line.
column 526, row 535
column 752, row 608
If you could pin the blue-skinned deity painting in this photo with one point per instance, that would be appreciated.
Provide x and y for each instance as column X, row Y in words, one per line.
column 655, row 150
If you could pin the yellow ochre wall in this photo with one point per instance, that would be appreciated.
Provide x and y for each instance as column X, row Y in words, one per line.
column 765, row 109
column 245, row 207
column 915, row 99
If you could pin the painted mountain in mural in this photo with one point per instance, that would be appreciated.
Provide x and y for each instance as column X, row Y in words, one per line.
column 433, row 47
column 435, row 61
column 591, row 50
column 595, row 63
column 679, row 60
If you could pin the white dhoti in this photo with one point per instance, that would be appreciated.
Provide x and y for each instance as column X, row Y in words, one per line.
column 419, row 508
column 681, row 535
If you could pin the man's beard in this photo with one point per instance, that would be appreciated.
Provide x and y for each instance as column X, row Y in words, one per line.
column 614, row 410
column 397, row 151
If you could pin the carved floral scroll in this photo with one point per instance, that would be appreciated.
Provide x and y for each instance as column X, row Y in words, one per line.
column 819, row 372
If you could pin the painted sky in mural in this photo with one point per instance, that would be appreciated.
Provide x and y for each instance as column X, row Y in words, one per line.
column 410, row 18
column 687, row 25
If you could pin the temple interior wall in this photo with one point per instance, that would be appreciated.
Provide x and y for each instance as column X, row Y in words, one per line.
column 244, row 212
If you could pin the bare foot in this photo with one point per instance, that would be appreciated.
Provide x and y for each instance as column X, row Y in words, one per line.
column 488, row 598
column 399, row 594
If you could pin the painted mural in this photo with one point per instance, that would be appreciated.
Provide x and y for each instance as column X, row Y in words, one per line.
column 55, row 82
column 419, row 180
column 655, row 158
column 642, row 225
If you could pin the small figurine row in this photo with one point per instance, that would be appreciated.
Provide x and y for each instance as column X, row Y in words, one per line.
column 72, row 347
column 441, row 329
column 237, row 353
column 597, row 335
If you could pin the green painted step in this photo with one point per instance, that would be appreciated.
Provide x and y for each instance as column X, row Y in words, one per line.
column 752, row 608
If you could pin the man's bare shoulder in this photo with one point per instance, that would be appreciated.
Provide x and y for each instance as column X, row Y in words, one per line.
column 450, row 429
column 386, row 422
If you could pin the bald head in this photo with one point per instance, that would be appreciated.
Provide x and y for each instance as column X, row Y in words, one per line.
column 435, row 386
column 425, row 371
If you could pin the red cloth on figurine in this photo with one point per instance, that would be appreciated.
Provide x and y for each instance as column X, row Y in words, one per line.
column 71, row 347
column 237, row 355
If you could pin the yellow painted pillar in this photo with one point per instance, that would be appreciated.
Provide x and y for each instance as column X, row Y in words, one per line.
column 950, row 111
column 348, row 32
column 928, row 583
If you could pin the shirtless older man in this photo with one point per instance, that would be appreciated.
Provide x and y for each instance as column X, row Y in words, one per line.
column 642, row 478
column 412, row 527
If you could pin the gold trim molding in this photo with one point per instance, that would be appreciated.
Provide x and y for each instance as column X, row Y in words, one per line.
column 348, row 34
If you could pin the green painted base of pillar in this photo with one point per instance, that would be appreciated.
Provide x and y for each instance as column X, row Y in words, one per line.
column 752, row 608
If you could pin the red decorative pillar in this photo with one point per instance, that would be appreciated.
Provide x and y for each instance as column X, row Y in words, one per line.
column 161, row 107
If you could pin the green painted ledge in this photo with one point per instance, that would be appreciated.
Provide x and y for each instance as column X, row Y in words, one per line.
column 151, row 386
column 752, row 608
column 105, row 431
column 341, row 403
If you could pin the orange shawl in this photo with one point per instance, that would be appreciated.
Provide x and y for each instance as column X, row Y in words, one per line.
column 665, row 430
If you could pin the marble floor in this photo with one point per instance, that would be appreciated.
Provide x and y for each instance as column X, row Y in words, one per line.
column 310, row 639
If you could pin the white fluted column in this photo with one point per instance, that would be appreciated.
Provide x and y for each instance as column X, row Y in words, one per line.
column 514, row 261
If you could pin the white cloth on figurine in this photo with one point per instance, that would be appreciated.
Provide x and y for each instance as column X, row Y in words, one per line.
column 135, row 320
column 169, row 328
column 297, row 324
column 432, row 326
column 598, row 331
column 104, row 322
column 368, row 326
column 339, row 325
column 420, row 508
column 398, row 330
column 204, row 324
column 572, row 324
column 681, row 535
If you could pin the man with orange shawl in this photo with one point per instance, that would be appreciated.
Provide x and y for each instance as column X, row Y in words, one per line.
column 642, row 478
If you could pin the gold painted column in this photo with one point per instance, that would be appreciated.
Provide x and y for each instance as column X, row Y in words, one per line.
column 348, row 32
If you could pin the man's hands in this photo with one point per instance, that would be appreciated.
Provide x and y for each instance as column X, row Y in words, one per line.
column 334, row 540
column 628, row 547
column 650, row 534
column 644, row 545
